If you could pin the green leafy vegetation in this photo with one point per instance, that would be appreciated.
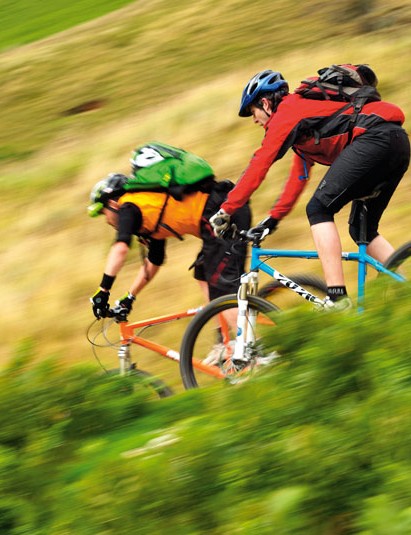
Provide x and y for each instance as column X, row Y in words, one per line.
column 318, row 444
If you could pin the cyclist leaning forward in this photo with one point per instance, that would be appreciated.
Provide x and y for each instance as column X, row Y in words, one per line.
column 373, row 152
column 154, row 218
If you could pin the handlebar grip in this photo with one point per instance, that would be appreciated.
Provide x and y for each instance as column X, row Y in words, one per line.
column 118, row 313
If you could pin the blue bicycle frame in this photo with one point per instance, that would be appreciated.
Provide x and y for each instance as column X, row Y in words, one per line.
column 259, row 257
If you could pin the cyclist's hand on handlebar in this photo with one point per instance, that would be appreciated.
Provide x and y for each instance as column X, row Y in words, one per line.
column 118, row 313
column 100, row 303
column 220, row 222
column 126, row 302
column 230, row 233
column 262, row 229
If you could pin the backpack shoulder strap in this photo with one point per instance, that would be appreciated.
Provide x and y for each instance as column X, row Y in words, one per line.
column 161, row 224
column 324, row 122
column 362, row 96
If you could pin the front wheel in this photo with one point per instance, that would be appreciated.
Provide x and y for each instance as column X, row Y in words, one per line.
column 208, row 344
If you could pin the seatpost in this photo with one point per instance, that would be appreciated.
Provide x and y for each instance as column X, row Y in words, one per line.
column 362, row 251
column 363, row 224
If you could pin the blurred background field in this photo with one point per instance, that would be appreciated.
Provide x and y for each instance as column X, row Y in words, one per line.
column 78, row 94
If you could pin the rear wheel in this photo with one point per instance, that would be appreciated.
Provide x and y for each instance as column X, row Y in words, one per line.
column 284, row 298
column 400, row 261
column 208, row 343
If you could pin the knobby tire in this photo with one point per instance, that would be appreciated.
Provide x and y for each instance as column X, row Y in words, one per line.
column 207, row 319
column 400, row 260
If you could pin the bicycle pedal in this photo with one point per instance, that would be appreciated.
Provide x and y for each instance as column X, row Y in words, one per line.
column 240, row 364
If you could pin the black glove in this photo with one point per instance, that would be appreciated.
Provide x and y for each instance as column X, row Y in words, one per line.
column 100, row 303
column 262, row 229
column 126, row 302
column 220, row 222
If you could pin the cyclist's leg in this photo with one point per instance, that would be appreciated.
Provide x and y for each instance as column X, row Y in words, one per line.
column 328, row 244
column 379, row 247
column 391, row 173
column 199, row 275
column 357, row 171
column 222, row 263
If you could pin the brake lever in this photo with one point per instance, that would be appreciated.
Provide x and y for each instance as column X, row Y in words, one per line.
column 118, row 313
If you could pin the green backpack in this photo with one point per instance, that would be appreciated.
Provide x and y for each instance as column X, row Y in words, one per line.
column 160, row 167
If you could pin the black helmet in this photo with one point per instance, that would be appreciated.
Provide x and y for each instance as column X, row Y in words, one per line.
column 110, row 187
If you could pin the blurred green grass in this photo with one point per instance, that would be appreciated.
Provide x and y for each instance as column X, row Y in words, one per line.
column 317, row 444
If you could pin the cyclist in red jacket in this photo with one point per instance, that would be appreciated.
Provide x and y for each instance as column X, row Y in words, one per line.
column 372, row 153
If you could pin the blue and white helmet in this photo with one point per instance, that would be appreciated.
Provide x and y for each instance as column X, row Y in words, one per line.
column 263, row 82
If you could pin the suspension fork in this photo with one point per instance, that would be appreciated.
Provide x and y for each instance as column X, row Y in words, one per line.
column 362, row 251
column 246, row 317
column 124, row 357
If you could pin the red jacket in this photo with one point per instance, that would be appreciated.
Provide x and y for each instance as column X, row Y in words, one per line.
column 291, row 126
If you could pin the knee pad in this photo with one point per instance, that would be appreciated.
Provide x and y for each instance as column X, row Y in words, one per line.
column 317, row 212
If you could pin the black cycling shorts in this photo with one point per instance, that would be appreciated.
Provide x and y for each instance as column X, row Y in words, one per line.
column 379, row 157
column 218, row 262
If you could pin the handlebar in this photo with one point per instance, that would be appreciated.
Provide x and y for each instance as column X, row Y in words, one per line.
column 244, row 236
column 118, row 313
column 219, row 221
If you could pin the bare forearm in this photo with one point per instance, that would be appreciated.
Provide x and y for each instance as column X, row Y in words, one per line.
column 144, row 276
column 116, row 258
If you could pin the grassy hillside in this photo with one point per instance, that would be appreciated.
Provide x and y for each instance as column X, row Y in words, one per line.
column 25, row 21
column 76, row 103
column 316, row 445
column 146, row 54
